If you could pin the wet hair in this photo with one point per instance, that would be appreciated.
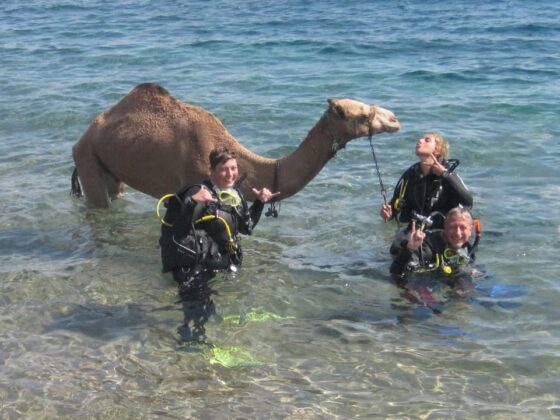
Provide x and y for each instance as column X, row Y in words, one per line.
column 459, row 211
column 220, row 155
column 442, row 146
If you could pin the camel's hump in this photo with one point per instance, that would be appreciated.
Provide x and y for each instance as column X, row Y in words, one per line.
column 150, row 89
column 149, row 98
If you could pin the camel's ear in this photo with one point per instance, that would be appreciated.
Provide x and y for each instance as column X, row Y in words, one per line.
column 335, row 106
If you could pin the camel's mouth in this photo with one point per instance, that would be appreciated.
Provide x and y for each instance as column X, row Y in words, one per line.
column 391, row 128
column 385, row 121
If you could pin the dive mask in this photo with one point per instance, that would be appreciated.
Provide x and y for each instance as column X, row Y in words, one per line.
column 229, row 198
column 457, row 257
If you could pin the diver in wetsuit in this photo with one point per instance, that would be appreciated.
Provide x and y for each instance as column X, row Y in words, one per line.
column 430, row 185
column 199, row 237
column 199, row 234
column 447, row 252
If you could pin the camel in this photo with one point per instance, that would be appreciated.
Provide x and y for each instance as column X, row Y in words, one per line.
column 157, row 144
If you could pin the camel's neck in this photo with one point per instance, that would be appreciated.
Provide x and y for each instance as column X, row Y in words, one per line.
column 296, row 170
column 289, row 174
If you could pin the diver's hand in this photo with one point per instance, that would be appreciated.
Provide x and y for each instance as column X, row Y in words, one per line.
column 264, row 194
column 415, row 237
column 437, row 167
column 204, row 196
column 386, row 212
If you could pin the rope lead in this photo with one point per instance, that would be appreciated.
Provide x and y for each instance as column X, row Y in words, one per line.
column 383, row 192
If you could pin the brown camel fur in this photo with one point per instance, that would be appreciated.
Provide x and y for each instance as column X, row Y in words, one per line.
column 156, row 144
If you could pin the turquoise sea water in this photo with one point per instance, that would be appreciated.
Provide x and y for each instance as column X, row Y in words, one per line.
column 312, row 327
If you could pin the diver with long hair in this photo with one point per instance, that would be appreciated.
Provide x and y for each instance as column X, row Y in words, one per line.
column 430, row 185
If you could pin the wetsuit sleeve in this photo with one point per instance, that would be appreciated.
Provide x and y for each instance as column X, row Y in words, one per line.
column 398, row 202
column 178, row 222
column 256, row 211
column 400, row 264
column 251, row 218
column 471, row 252
column 396, row 194
column 180, row 211
column 464, row 196
column 420, row 258
column 187, row 209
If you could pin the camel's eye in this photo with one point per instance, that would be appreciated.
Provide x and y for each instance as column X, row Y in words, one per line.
column 340, row 111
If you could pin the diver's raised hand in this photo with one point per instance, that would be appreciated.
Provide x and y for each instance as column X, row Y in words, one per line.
column 264, row 194
column 437, row 167
column 415, row 237
column 204, row 196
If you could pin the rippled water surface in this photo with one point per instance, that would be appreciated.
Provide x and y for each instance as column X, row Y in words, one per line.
column 312, row 326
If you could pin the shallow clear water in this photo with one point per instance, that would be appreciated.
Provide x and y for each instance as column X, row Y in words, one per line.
column 311, row 327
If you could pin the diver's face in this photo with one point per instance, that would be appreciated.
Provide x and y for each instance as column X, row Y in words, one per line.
column 426, row 146
column 457, row 230
column 224, row 174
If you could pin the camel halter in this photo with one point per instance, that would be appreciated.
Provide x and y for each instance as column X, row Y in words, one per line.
column 336, row 144
column 272, row 210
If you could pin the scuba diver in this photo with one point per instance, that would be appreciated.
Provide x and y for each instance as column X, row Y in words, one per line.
column 200, row 228
column 199, row 237
column 446, row 251
column 427, row 186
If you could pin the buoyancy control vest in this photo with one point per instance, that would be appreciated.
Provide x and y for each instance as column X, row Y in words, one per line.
column 415, row 192
column 196, row 235
column 435, row 255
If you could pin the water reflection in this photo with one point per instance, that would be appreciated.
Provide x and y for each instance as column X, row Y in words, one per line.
column 198, row 307
column 424, row 295
column 103, row 322
column 432, row 292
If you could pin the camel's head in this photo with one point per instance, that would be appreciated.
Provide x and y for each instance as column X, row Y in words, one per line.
column 349, row 119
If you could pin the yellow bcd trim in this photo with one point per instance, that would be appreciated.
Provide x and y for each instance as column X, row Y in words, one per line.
column 161, row 200
column 397, row 202
column 434, row 268
column 231, row 243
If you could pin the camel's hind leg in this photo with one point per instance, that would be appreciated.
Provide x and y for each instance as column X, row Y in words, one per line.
column 93, row 177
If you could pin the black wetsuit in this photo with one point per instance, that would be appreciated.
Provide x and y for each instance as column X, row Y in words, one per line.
column 434, row 255
column 195, row 241
column 427, row 194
